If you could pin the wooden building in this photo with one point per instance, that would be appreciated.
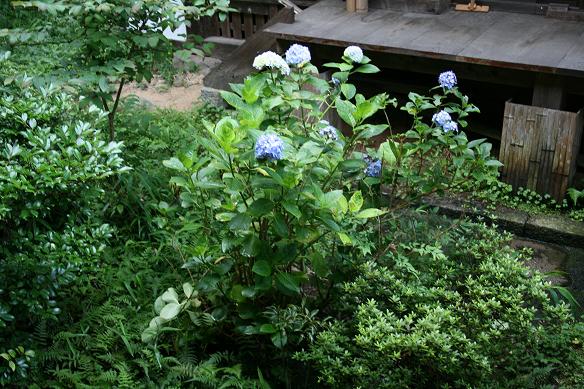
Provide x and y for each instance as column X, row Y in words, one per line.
column 522, row 63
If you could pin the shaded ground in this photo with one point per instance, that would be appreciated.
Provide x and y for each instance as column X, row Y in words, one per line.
column 549, row 257
column 546, row 258
column 181, row 95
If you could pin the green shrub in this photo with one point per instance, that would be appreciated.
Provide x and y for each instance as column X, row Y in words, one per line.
column 52, row 162
column 454, row 309
column 284, row 205
column 102, row 348
column 150, row 136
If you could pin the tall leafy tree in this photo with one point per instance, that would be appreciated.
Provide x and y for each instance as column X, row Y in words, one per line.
column 113, row 42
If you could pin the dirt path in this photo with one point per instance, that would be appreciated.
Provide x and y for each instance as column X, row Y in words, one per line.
column 181, row 95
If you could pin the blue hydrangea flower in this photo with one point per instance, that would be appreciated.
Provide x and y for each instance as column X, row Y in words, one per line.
column 354, row 53
column 328, row 131
column 297, row 55
column 447, row 79
column 269, row 146
column 374, row 168
column 450, row 126
column 269, row 59
column 441, row 118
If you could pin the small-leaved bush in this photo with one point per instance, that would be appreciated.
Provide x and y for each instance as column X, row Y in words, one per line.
column 53, row 162
column 453, row 307
column 493, row 193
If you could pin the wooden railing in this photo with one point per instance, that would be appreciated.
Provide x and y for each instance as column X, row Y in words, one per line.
column 252, row 16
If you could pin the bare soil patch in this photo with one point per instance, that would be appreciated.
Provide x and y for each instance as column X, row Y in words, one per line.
column 184, row 92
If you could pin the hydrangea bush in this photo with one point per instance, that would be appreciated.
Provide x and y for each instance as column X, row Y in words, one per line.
column 283, row 198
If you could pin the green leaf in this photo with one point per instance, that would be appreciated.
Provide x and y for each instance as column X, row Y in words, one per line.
column 251, row 246
column 260, row 207
column 387, row 153
column 248, row 292
column 103, row 85
column 345, row 239
column 368, row 68
column 252, row 87
column 292, row 209
column 158, row 305
column 365, row 110
column 493, row 162
column 236, row 293
column 227, row 133
column 174, row 163
column 287, row 284
column 170, row 311
column 352, row 165
column 234, row 100
column 342, row 205
column 356, row 201
column 330, row 223
column 241, row 221
column 170, row 296
column 279, row 339
column 188, row 289
column 267, row 329
column 262, row 268
column 348, row 90
column 370, row 131
column 263, row 383
column 476, row 142
column 153, row 40
column 331, row 199
column 149, row 334
column 369, row 213
column 319, row 265
column 345, row 110
column 280, row 226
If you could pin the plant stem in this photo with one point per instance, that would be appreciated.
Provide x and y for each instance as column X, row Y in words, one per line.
column 112, row 114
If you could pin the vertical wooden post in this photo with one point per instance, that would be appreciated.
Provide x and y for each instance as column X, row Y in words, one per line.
column 362, row 6
column 351, row 5
column 548, row 91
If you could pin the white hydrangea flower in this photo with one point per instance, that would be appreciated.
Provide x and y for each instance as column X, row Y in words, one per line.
column 354, row 53
column 269, row 59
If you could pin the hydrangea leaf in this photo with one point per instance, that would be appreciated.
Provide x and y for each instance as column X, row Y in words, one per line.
column 287, row 283
column 170, row 311
column 262, row 268
column 356, row 201
column 369, row 213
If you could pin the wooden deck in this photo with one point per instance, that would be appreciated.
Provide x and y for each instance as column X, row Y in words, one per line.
column 500, row 39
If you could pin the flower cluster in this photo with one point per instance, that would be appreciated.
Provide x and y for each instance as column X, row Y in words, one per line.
column 297, row 55
column 447, row 79
column 373, row 168
column 450, row 126
column 443, row 119
column 328, row 131
column 354, row 53
column 269, row 59
column 269, row 146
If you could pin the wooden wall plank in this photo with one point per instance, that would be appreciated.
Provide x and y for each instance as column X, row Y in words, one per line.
column 236, row 25
column 248, row 25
